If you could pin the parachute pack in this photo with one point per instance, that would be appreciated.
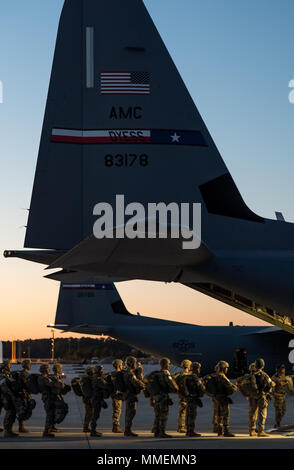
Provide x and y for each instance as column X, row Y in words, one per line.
column 32, row 384
column 210, row 385
column 152, row 384
column 77, row 386
column 247, row 385
column 61, row 410
column 116, row 382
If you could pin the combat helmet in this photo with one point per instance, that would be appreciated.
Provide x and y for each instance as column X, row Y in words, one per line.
column 44, row 368
column 131, row 361
column 117, row 363
column 259, row 363
column 57, row 367
column 26, row 364
column 195, row 366
column 98, row 369
column 222, row 365
column 89, row 370
column 252, row 366
column 186, row 363
column 164, row 361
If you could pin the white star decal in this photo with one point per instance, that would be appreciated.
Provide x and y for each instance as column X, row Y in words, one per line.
column 175, row 137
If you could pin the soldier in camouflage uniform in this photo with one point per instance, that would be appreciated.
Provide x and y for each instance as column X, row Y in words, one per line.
column 8, row 397
column 133, row 387
column 166, row 384
column 116, row 396
column 59, row 389
column 22, row 379
column 258, row 400
column 100, row 391
column 194, row 390
column 180, row 379
column 281, row 387
column 215, row 408
column 46, row 387
column 86, row 386
column 224, row 388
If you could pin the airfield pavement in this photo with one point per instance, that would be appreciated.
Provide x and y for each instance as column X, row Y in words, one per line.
column 72, row 437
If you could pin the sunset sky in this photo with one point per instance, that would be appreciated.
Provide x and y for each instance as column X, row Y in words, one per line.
column 236, row 59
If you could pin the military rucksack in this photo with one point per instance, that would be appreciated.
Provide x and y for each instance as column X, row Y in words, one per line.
column 24, row 408
column 32, row 384
column 60, row 412
column 247, row 385
column 116, row 382
column 210, row 385
column 77, row 387
column 86, row 385
column 152, row 384
column 180, row 381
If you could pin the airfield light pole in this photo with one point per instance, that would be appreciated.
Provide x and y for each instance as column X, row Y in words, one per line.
column 52, row 346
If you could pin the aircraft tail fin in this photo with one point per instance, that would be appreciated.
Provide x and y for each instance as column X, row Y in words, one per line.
column 117, row 114
column 81, row 306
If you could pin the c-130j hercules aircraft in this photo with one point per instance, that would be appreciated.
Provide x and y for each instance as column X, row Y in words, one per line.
column 95, row 309
column 120, row 121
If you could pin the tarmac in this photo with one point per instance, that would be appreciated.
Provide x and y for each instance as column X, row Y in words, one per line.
column 72, row 437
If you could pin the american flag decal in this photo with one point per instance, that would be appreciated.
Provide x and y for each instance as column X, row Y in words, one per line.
column 125, row 83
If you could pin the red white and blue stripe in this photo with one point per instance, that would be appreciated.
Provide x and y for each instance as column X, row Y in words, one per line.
column 128, row 136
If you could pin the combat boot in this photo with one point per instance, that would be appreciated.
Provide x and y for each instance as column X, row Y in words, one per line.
column 129, row 433
column 86, row 429
column 263, row 434
column 220, row 431
column 54, row 429
column 9, row 433
column 252, row 433
column 48, row 434
column 21, row 428
column 227, row 433
column 181, row 430
column 193, row 434
column 116, row 429
column 96, row 434
column 163, row 435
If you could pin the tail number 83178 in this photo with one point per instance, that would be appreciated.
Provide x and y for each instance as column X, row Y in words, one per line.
column 126, row 160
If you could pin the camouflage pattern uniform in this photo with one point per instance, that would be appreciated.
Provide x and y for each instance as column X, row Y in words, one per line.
column 9, row 397
column 100, row 391
column 133, row 387
column 23, row 376
column 59, row 389
column 46, row 387
column 223, row 388
column 86, row 385
column 162, row 400
column 214, row 407
column 180, row 379
column 194, row 390
column 258, row 401
column 280, row 391
column 116, row 397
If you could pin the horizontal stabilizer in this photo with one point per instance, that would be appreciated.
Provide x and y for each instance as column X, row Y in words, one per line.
column 161, row 259
column 83, row 328
column 76, row 276
column 37, row 256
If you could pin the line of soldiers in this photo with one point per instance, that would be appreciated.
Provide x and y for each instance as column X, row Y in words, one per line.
column 16, row 389
column 126, row 382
